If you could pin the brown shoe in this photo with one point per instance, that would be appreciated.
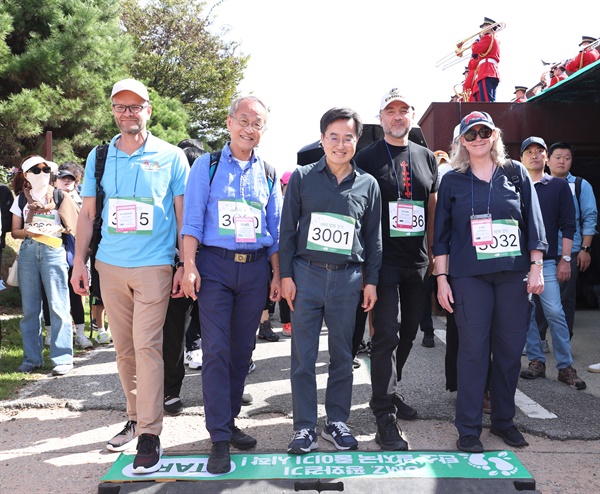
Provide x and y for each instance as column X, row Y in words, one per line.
column 536, row 369
column 487, row 404
column 569, row 376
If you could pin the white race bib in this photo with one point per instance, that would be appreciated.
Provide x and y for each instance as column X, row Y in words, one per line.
column 400, row 224
column 505, row 242
column 329, row 232
column 131, row 215
column 229, row 210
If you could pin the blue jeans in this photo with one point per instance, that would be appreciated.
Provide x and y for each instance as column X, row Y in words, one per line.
column 329, row 296
column 44, row 266
column 553, row 311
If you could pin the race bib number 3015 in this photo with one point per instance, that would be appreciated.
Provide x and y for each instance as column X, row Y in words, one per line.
column 131, row 215
column 330, row 232
column 505, row 241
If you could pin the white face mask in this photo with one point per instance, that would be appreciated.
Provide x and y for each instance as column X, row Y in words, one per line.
column 38, row 182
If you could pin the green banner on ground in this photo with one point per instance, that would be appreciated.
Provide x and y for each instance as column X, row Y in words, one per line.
column 412, row 464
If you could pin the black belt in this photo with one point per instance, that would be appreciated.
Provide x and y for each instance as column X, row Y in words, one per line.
column 332, row 267
column 233, row 255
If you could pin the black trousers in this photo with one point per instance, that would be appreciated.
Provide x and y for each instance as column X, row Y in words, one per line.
column 177, row 321
column 396, row 317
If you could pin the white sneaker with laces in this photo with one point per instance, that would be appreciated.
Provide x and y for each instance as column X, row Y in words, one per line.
column 83, row 341
column 103, row 338
column 194, row 359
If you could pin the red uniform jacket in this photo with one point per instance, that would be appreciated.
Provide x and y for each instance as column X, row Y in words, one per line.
column 488, row 64
column 469, row 84
column 589, row 56
column 556, row 79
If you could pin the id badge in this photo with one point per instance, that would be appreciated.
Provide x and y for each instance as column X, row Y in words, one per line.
column 126, row 218
column 481, row 229
column 244, row 229
column 404, row 215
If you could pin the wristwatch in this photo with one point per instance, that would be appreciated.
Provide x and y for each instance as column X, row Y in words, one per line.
column 566, row 258
column 179, row 264
column 586, row 248
column 539, row 262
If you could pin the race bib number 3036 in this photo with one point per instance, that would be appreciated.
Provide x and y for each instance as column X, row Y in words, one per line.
column 505, row 241
column 407, row 218
column 330, row 232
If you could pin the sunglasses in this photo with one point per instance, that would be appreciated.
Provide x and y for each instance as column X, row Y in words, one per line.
column 471, row 135
column 37, row 171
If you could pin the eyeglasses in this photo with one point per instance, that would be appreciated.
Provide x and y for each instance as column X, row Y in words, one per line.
column 37, row 171
column 346, row 141
column 471, row 135
column 132, row 108
column 244, row 122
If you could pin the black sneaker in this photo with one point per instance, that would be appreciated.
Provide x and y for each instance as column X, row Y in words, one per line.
column 148, row 455
column 173, row 405
column 536, row 368
column 265, row 331
column 403, row 411
column 510, row 436
column 469, row 444
column 122, row 440
column 339, row 434
column 241, row 440
column 388, row 434
column 428, row 340
column 219, row 460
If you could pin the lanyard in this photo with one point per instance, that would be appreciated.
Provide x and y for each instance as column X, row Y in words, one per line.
column 137, row 171
column 473, row 191
column 396, row 173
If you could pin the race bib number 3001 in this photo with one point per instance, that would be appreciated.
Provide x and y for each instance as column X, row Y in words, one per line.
column 505, row 241
column 330, row 232
column 131, row 215
column 407, row 218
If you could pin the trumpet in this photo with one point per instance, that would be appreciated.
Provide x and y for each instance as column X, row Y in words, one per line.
column 591, row 46
column 465, row 45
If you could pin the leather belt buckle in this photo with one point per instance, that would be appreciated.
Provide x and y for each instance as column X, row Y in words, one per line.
column 240, row 257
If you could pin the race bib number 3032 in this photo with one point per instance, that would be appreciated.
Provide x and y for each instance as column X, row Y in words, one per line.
column 505, row 241
column 329, row 232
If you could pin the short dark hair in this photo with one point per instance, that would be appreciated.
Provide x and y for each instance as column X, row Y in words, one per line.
column 192, row 153
column 75, row 168
column 560, row 145
column 334, row 114
column 186, row 143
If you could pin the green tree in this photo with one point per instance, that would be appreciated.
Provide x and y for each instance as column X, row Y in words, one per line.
column 169, row 120
column 58, row 61
column 177, row 54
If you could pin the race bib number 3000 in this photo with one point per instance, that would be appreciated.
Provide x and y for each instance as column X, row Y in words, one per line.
column 131, row 215
column 330, row 232
column 407, row 218
column 505, row 241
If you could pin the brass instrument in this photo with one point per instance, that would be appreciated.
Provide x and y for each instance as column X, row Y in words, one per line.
column 462, row 95
column 465, row 45
column 591, row 46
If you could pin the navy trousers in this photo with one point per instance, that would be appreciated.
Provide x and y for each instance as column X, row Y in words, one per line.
column 490, row 310
column 230, row 302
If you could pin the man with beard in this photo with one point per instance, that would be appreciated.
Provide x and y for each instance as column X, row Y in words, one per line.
column 143, row 181
column 408, row 178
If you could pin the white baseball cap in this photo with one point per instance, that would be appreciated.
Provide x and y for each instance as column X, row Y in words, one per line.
column 131, row 85
column 36, row 160
column 394, row 95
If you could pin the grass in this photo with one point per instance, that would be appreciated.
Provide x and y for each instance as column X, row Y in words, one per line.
column 11, row 351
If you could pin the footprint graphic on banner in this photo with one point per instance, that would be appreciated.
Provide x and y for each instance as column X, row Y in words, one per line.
column 500, row 465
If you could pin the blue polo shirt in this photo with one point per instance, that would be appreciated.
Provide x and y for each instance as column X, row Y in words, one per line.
column 151, row 178
column 203, row 216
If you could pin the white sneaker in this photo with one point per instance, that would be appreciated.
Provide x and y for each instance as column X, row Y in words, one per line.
column 61, row 370
column 83, row 341
column 103, row 338
column 594, row 368
column 193, row 359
